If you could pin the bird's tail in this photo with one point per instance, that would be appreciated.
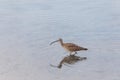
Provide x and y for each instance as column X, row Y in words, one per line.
column 85, row 49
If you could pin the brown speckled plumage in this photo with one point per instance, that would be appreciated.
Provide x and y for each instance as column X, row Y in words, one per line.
column 70, row 46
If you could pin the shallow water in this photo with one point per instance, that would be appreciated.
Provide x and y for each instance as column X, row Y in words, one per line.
column 28, row 26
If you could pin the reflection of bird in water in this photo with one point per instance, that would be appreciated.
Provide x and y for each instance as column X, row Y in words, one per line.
column 69, row 46
column 71, row 60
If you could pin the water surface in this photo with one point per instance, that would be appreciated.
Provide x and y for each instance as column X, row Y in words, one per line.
column 28, row 26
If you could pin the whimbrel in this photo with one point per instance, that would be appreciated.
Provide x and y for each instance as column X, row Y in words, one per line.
column 71, row 47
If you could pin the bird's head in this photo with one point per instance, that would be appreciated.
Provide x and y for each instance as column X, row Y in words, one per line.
column 59, row 39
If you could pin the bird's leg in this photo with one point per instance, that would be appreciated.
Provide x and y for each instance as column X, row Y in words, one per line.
column 75, row 52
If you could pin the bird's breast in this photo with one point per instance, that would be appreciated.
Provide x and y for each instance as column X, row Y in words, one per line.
column 67, row 49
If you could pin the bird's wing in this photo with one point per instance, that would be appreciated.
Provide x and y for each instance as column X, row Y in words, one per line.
column 72, row 47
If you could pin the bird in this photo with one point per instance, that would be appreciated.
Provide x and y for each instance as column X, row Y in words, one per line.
column 70, row 47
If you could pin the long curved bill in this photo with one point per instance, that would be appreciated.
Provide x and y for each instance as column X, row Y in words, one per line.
column 54, row 42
